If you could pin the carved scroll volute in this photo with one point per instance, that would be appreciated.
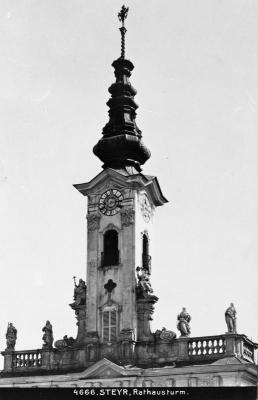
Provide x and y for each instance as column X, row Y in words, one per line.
column 127, row 216
column 93, row 221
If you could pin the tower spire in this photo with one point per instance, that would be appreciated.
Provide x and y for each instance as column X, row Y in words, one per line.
column 121, row 145
column 122, row 15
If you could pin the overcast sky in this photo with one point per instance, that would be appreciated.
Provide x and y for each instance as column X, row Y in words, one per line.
column 196, row 76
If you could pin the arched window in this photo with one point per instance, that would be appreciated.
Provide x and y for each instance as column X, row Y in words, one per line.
column 146, row 258
column 109, row 324
column 145, row 245
column 111, row 253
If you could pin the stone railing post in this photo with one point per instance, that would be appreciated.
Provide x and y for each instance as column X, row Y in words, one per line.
column 8, row 360
column 182, row 347
column 240, row 346
column 230, row 344
column 48, row 359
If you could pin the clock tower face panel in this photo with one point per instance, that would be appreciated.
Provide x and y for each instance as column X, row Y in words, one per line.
column 110, row 202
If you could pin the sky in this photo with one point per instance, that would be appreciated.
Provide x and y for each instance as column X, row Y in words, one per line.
column 197, row 82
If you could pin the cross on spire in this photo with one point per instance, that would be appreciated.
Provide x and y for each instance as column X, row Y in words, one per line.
column 122, row 15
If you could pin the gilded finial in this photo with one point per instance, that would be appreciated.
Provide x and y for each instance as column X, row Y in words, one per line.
column 122, row 15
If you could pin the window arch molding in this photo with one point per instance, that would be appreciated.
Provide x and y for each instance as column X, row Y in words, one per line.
column 110, row 227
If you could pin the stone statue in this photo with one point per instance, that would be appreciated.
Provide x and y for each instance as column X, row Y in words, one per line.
column 79, row 292
column 183, row 323
column 165, row 335
column 48, row 336
column 11, row 336
column 65, row 342
column 144, row 280
column 230, row 317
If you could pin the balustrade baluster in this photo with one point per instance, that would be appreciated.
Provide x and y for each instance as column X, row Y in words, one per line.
column 208, row 347
column 27, row 359
column 215, row 344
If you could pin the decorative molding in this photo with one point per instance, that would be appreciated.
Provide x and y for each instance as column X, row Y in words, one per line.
column 114, row 304
column 109, row 227
column 93, row 221
column 127, row 216
column 92, row 264
column 126, row 334
column 164, row 335
column 106, row 268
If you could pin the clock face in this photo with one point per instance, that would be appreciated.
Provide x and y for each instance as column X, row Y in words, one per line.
column 145, row 208
column 110, row 202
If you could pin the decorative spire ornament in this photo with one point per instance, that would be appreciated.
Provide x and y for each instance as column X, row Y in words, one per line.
column 121, row 145
column 122, row 15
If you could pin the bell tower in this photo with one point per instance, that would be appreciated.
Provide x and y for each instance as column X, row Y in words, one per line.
column 120, row 218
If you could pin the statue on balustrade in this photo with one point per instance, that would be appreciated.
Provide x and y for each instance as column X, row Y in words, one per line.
column 183, row 323
column 48, row 336
column 11, row 336
column 230, row 316
column 79, row 292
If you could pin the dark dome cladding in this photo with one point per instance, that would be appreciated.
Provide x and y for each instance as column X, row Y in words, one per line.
column 121, row 144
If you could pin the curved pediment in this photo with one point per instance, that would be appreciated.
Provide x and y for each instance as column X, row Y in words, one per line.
column 121, row 179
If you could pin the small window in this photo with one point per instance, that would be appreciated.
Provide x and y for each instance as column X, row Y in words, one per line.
column 145, row 245
column 111, row 253
column 146, row 258
column 109, row 322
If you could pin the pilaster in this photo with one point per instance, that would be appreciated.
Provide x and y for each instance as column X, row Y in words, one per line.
column 128, row 279
column 93, row 223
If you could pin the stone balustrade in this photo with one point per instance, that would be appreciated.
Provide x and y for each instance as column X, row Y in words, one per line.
column 24, row 359
column 207, row 346
column 219, row 346
column 142, row 353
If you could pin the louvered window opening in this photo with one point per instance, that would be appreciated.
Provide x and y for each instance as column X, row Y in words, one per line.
column 109, row 326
